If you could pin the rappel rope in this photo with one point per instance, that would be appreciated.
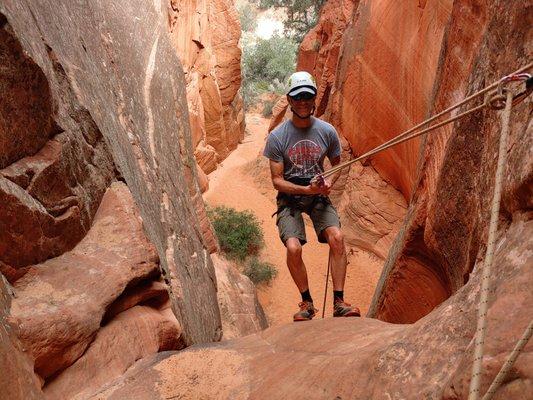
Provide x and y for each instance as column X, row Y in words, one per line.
column 497, row 99
column 326, row 288
column 493, row 101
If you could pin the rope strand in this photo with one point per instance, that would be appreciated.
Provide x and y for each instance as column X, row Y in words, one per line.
column 487, row 263
column 407, row 135
column 509, row 362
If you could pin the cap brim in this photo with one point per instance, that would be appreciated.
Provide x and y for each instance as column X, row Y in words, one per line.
column 302, row 90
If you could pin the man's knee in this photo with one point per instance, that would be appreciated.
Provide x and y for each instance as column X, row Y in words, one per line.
column 335, row 239
column 294, row 248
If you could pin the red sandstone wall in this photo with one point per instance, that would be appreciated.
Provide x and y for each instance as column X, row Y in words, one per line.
column 206, row 35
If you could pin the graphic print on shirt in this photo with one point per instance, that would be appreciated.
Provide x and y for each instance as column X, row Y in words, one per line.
column 305, row 156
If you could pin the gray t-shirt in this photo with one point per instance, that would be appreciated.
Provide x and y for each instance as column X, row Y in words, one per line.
column 302, row 151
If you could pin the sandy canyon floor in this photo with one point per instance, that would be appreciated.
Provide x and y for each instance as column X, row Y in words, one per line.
column 242, row 181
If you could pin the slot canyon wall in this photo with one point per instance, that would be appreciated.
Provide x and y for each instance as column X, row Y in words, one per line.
column 206, row 35
column 104, row 239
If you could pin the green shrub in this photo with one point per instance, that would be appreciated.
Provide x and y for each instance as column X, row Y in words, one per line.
column 302, row 15
column 267, row 108
column 247, row 16
column 238, row 232
column 259, row 271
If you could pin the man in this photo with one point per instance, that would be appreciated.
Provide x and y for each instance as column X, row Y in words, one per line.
column 296, row 150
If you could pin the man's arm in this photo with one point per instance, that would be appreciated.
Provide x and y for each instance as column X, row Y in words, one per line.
column 333, row 178
column 281, row 185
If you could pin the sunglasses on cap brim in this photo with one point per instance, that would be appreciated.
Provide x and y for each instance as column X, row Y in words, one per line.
column 303, row 96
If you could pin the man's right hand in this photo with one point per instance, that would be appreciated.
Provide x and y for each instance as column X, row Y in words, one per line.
column 316, row 188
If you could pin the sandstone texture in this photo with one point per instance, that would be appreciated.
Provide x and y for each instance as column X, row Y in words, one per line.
column 60, row 304
column 17, row 380
column 139, row 332
column 237, row 298
column 428, row 359
column 54, row 164
column 206, row 36
column 446, row 230
column 123, row 72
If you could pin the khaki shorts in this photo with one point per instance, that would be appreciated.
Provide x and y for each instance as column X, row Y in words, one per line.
column 291, row 224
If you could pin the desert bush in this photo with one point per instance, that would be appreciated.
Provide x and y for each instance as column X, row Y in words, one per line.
column 239, row 233
column 247, row 16
column 266, row 66
column 268, row 105
column 259, row 271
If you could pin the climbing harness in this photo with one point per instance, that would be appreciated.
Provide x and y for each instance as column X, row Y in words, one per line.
column 295, row 202
column 499, row 97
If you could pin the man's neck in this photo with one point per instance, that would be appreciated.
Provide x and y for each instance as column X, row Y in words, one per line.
column 301, row 123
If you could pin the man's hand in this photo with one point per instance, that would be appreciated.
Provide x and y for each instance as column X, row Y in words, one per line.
column 322, row 187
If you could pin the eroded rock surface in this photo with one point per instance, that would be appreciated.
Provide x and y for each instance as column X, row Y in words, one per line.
column 60, row 303
column 54, row 164
column 237, row 298
column 123, row 70
column 17, row 380
column 446, row 230
column 311, row 360
column 136, row 333
column 206, row 34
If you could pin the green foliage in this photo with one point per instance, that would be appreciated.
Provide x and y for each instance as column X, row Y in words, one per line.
column 247, row 16
column 259, row 271
column 302, row 15
column 238, row 232
column 265, row 64
column 267, row 108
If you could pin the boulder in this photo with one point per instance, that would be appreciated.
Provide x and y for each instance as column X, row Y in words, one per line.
column 59, row 304
column 237, row 298
column 311, row 360
column 54, row 164
column 115, row 349
column 17, row 380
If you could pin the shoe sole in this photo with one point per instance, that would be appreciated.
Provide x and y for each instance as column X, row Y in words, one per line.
column 349, row 314
column 302, row 319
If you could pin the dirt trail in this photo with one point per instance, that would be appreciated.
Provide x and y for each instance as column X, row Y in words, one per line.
column 236, row 183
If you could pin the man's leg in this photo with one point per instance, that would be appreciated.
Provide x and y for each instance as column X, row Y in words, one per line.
column 337, row 252
column 296, row 264
column 292, row 234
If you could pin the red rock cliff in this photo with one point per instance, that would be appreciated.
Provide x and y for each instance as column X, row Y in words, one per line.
column 206, row 34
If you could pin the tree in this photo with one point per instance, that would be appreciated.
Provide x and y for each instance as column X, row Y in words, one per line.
column 247, row 16
column 302, row 15
column 266, row 65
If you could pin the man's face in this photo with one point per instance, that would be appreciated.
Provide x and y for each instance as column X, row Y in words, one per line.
column 302, row 103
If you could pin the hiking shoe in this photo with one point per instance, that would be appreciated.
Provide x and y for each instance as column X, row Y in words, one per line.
column 306, row 313
column 342, row 309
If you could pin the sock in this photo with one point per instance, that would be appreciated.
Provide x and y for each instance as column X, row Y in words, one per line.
column 306, row 296
column 338, row 294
